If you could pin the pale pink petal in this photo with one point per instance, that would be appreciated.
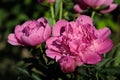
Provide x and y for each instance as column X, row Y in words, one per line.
column 90, row 57
column 111, row 8
column 35, row 38
column 59, row 28
column 12, row 39
column 91, row 3
column 103, row 46
column 53, row 54
column 103, row 33
column 47, row 32
column 108, row 2
column 99, row 3
column 77, row 8
column 83, row 19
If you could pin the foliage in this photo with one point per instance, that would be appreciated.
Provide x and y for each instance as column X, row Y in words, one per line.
column 19, row 63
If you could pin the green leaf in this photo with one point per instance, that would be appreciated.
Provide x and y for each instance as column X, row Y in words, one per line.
column 23, row 71
column 104, row 62
column 112, row 70
column 35, row 77
column 57, row 7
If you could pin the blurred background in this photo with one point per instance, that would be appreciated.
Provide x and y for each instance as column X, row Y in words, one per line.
column 14, row 12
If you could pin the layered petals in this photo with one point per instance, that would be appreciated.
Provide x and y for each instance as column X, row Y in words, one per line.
column 67, row 64
column 95, row 4
column 31, row 33
column 80, row 43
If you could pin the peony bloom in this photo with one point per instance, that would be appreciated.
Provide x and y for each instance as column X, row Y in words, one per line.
column 95, row 4
column 31, row 33
column 77, row 42
column 67, row 64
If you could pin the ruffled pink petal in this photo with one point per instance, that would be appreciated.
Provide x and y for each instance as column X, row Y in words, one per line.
column 111, row 8
column 59, row 28
column 83, row 19
column 53, row 54
column 90, row 57
column 47, row 32
column 103, row 33
column 108, row 2
column 77, row 8
column 12, row 39
column 53, row 44
column 103, row 46
column 34, row 39
column 73, row 46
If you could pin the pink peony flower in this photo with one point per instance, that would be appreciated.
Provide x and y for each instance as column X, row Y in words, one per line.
column 95, row 4
column 67, row 64
column 31, row 33
column 77, row 42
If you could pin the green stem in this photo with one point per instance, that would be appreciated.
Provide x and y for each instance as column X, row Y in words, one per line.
column 93, row 14
column 52, row 13
column 40, row 47
column 97, row 76
column 61, row 10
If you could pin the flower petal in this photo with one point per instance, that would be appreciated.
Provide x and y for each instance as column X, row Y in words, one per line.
column 47, row 32
column 90, row 57
column 77, row 8
column 83, row 19
column 111, row 8
column 53, row 44
column 103, row 33
column 91, row 3
column 12, row 39
column 53, row 54
column 18, row 32
column 59, row 28
column 35, row 38
column 103, row 46
column 67, row 64
column 108, row 2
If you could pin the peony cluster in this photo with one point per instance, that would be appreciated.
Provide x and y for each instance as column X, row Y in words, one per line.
column 72, row 43
column 77, row 42
column 107, row 5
